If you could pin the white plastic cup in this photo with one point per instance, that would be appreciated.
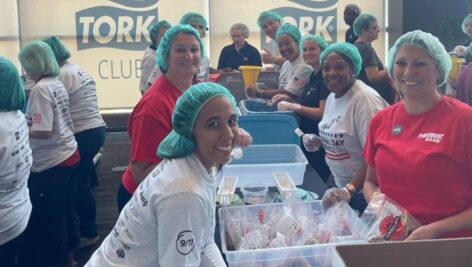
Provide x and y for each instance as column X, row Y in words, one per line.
column 254, row 193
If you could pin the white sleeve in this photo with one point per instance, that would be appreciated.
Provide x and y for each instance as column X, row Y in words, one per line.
column 367, row 107
column 212, row 256
column 298, row 80
column 39, row 110
column 182, row 222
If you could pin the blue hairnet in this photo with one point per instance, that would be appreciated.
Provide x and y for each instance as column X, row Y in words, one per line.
column 363, row 23
column 347, row 49
column 268, row 15
column 166, row 42
column 468, row 17
column 189, row 17
column 155, row 28
column 317, row 38
column 38, row 59
column 290, row 30
column 58, row 48
column 431, row 46
column 12, row 93
column 180, row 142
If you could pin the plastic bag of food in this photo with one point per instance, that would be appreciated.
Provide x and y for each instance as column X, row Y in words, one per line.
column 385, row 220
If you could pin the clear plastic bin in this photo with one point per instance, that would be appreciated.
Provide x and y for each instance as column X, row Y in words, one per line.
column 259, row 106
column 303, row 255
column 259, row 162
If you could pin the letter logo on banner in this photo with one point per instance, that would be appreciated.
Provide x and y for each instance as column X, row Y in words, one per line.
column 309, row 19
column 114, row 27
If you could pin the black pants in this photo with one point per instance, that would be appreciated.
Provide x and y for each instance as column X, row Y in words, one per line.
column 89, row 143
column 53, row 228
column 9, row 251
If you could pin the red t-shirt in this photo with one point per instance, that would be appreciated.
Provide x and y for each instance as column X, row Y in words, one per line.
column 424, row 161
column 149, row 123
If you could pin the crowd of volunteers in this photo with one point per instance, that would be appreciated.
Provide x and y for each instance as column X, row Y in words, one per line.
column 368, row 128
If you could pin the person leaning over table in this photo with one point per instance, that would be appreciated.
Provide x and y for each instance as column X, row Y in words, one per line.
column 149, row 70
column 240, row 52
column 53, row 230
column 178, row 56
column 270, row 21
column 312, row 101
column 418, row 151
column 170, row 221
column 373, row 73
column 295, row 73
column 343, row 129
column 15, row 164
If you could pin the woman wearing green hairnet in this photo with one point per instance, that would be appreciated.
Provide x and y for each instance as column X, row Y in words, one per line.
column 15, row 164
column 294, row 74
column 373, row 73
column 52, row 233
column 148, row 64
column 418, row 151
column 170, row 221
column 199, row 23
column 345, row 123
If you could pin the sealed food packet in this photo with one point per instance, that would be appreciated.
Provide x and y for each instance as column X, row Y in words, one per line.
column 385, row 220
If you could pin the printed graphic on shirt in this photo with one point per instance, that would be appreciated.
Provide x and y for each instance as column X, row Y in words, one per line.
column 185, row 242
column 299, row 82
column 431, row 137
column 333, row 141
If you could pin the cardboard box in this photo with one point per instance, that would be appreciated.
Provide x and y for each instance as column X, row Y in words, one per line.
column 430, row 253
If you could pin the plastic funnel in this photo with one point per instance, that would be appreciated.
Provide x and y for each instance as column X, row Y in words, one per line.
column 456, row 67
column 250, row 74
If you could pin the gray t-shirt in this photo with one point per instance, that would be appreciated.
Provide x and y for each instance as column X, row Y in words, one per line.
column 169, row 221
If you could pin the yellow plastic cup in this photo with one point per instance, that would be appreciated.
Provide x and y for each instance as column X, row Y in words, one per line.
column 250, row 74
column 456, row 67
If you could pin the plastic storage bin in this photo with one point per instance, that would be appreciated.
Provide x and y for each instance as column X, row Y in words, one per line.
column 303, row 255
column 260, row 161
column 270, row 128
column 259, row 106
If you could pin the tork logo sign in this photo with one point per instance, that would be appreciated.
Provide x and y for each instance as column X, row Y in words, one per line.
column 113, row 27
column 314, row 16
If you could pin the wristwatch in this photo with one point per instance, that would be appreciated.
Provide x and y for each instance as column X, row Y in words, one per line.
column 351, row 188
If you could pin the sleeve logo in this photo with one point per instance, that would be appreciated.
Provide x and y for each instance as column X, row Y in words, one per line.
column 185, row 242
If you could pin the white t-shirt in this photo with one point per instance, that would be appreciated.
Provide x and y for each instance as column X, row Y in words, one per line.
column 156, row 72
column 48, row 110
column 295, row 75
column 343, row 129
column 147, row 66
column 273, row 48
column 82, row 97
column 204, row 69
column 15, row 164
column 169, row 221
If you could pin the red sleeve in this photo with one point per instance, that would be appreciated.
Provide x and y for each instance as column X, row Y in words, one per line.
column 147, row 133
column 370, row 149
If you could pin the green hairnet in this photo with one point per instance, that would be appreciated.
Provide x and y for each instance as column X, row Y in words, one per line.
column 180, row 142
column 38, row 59
column 363, row 23
column 268, row 15
column 290, row 30
column 58, row 48
column 155, row 28
column 347, row 49
column 12, row 93
column 166, row 42
column 431, row 46
column 190, row 17
column 317, row 38
column 468, row 17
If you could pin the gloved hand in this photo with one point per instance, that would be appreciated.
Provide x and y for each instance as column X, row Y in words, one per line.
column 335, row 195
column 312, row 142
column 242, row 138
column 461, row 50
column 287, row 106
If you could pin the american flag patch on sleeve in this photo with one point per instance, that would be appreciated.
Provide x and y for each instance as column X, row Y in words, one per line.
column 298, row 82
column 36, row 118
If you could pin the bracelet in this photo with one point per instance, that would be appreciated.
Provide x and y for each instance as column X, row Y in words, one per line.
column 351, row 188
